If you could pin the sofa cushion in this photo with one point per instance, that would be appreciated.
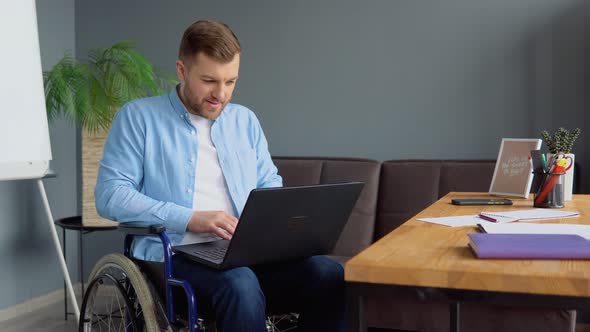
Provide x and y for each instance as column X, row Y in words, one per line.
column 358, row 232
column 409, row 186
column 297, row 172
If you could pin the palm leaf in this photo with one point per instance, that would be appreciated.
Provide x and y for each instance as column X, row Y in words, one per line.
column 91, row 93
column 62, row 84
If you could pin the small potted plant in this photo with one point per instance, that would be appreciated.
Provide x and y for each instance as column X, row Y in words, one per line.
column 562, row 141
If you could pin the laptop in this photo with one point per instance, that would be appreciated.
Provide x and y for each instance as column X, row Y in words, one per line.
column 281, row 224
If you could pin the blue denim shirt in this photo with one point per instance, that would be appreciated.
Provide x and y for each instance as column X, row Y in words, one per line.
column 147, row 172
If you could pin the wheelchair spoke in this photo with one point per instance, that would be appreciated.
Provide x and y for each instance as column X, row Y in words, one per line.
column 107, row 320
column 100, row 322
column 280, row 319
column 282, row 323
column 121, row 316
column 110, row 321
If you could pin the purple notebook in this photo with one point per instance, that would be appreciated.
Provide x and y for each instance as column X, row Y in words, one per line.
column 529, row 246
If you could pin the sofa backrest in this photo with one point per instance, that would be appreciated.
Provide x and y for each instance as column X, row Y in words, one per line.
column 358, row 232
column 408, row 186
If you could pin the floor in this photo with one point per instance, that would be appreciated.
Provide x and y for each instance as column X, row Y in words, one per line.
column 51, row 319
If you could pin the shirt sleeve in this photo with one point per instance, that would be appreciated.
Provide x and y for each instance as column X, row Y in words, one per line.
column 266, row 170
column 120, row 176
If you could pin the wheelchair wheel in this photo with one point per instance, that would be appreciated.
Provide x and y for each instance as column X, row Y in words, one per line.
column 120, row 299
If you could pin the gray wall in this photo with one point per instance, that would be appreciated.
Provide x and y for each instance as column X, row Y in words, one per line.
column 29, row 262
column 380, row 79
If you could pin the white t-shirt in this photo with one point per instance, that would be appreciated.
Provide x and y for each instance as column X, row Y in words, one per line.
column 210, row 192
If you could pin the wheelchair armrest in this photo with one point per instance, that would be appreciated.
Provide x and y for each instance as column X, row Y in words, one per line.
column 141, row 229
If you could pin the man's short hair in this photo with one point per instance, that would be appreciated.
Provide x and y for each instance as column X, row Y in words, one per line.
column 214, row 39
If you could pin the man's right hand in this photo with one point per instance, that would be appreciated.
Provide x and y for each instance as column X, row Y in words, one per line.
column 218, row 222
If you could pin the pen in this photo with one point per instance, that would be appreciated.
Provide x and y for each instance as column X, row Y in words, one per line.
column 488, row 218
column 537, row 159
column 544, row 159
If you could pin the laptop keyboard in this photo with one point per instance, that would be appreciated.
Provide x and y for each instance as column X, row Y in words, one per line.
column 212, row 253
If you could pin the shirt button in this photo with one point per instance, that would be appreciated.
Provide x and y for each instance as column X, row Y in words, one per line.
column 192, row 159
column 189, row 190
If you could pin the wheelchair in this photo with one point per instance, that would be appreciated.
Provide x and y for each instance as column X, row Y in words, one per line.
column 130, row 295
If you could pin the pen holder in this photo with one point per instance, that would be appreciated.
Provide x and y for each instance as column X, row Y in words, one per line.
column 550, row 193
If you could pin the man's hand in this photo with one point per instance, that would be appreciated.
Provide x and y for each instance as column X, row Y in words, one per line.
column 218, row 222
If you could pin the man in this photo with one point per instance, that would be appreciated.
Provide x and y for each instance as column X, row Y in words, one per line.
column 188, row 160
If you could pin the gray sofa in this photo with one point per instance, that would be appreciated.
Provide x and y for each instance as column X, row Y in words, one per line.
column 380, row 209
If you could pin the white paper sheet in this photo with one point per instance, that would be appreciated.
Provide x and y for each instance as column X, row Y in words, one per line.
column 457, row 221
column 502, row 217
column 530, row 228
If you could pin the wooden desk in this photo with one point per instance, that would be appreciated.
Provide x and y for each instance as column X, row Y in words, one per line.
column 434, row 260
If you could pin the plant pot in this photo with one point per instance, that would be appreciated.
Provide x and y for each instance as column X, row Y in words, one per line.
column 568, row 183
column 92, row 147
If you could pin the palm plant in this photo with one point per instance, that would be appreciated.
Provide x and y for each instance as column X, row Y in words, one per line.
column 91, row 93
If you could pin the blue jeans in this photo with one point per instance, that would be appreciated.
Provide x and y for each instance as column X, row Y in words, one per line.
column 314, row 287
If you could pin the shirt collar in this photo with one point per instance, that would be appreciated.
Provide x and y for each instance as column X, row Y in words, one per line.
column 176, row 102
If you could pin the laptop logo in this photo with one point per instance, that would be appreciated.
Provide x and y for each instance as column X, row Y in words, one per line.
column 297, row 222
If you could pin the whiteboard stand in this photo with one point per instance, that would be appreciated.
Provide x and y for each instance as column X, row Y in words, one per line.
column 25, row 150
column 60, row 256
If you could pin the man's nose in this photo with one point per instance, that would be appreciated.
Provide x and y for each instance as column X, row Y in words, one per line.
column 219, row 92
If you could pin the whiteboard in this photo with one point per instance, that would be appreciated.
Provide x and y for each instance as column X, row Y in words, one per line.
column 25, row 150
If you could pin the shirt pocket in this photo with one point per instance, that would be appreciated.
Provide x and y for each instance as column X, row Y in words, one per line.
column 248, row 168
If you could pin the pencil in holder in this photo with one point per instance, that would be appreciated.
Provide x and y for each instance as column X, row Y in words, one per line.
column 550, row 193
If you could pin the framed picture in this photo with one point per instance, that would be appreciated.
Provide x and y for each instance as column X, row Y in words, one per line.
column 513, row 174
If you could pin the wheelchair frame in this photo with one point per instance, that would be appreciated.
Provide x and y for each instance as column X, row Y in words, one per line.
column 140, row 229
column 132, row 230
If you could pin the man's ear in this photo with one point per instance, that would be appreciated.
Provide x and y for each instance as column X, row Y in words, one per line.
column 181, row 70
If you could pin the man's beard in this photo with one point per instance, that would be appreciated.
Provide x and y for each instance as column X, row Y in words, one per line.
column 196, row 108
